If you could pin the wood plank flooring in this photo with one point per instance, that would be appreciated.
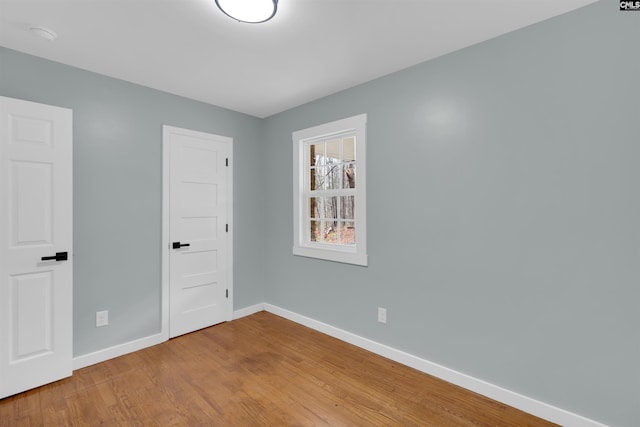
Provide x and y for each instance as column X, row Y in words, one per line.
column 261, row 370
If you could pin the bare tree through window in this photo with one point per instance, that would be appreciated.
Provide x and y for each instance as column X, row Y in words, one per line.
column 332, row 173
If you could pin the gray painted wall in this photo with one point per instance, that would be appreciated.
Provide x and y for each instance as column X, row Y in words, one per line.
column 504, row 213
column 118, row 192
column 503, row 208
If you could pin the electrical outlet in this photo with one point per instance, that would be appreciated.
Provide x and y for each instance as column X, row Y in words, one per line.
column 382, row 315
column 102, row 318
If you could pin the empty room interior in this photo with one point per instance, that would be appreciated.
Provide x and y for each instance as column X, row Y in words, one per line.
column 355, row 212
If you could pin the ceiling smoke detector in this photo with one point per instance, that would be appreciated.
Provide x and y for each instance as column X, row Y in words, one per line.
column 43, row 32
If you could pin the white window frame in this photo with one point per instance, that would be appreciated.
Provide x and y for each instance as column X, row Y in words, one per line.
column 302, row 245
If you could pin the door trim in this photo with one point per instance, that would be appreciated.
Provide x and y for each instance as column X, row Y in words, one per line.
column 166, row 205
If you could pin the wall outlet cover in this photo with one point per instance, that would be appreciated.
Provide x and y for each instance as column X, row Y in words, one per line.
column 102, row 318
column 382, row 315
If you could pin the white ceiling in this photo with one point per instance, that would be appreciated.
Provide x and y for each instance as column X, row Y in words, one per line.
column 312, row 48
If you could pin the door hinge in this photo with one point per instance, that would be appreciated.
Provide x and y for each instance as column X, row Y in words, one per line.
column 226, row 228
column 227, row 293
column 227, row 162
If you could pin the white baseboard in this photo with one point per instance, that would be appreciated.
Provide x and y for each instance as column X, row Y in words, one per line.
column 247, row 311
column 117, row 350
column 516, row 400
column 129, row 347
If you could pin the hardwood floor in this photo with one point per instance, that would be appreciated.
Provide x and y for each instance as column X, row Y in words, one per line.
column 261, row 370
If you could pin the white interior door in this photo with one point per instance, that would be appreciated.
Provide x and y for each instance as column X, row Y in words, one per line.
column 35, row 245
column 198, row 244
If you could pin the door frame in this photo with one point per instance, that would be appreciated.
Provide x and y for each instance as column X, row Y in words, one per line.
column 166, row 208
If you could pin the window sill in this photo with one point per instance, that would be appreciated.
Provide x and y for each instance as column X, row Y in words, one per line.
column 346, row 255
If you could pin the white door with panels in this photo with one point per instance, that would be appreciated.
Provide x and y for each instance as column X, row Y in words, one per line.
column 36, row 271
column 197, row 242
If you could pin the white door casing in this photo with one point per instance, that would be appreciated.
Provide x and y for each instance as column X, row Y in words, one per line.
column 197, row 242
column 36, row 295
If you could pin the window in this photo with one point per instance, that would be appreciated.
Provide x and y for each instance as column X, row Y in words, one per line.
column 329, row 191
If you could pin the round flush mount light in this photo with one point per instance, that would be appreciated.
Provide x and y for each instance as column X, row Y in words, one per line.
column 250, row 11
column 43, row 32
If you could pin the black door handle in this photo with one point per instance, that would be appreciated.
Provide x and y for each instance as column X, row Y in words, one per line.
column 59, row 256
column 178, row 245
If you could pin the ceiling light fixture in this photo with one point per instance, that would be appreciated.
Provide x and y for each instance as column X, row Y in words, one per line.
column 43, row 32
column 250, row 11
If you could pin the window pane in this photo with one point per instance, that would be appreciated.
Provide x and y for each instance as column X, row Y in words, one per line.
column 347, row 233
column 333, row 151
column 323, row 207
column 312, row 179
column 327, row 232
column 314, row 209
column 316, row 152
column 319, row 179
column 316, row 235
column 333, row 178
column 326, row 178
column 349, row 149
column 347, row 207
column 330, row 232
column 349, row 176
